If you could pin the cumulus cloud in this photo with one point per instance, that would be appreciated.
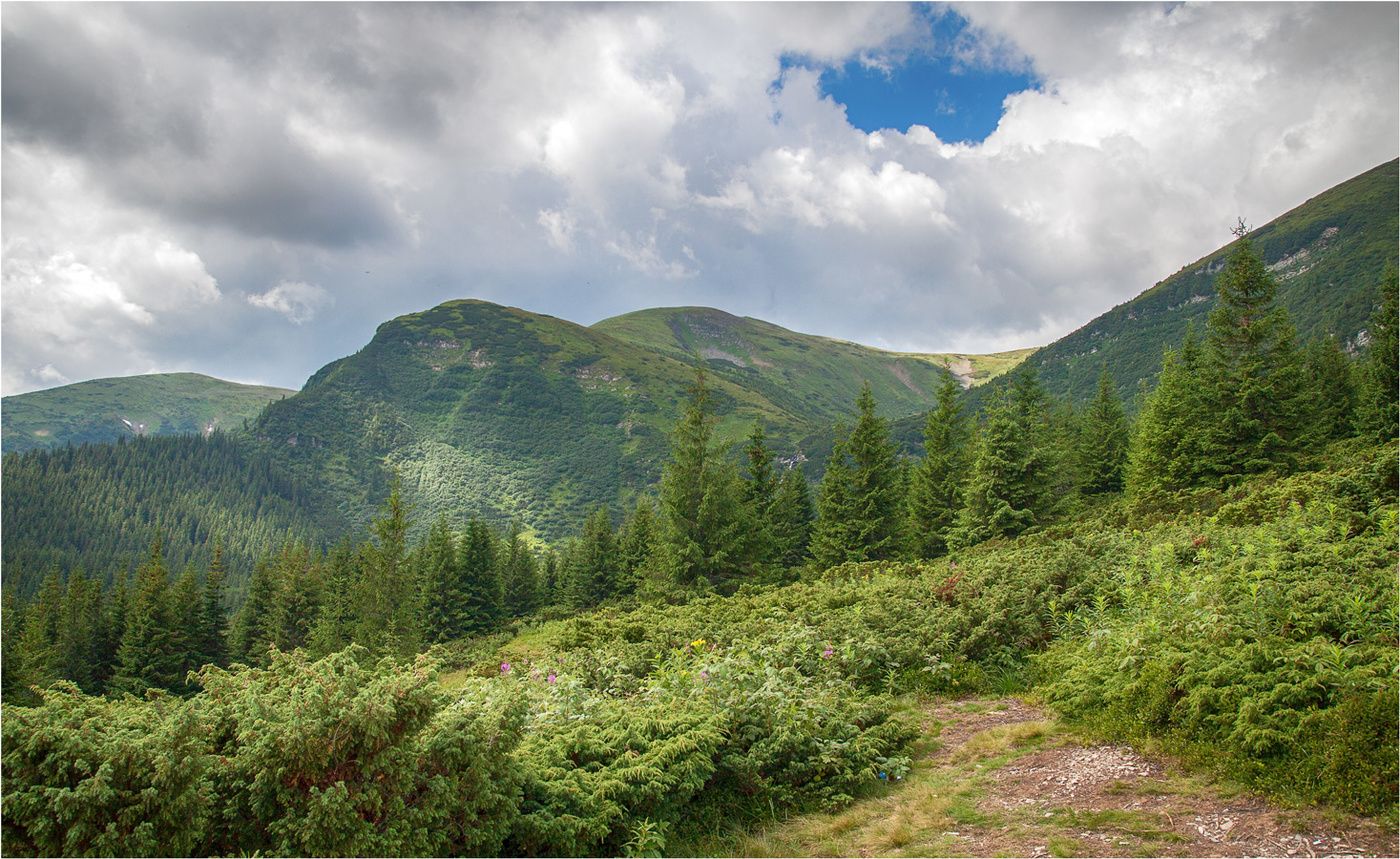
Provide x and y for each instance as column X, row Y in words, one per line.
column 372, row 160
column 293, row 299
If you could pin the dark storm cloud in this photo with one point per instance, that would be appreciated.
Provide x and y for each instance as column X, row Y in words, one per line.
column 151, row 130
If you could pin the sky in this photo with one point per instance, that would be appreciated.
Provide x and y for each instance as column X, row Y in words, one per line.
column 247, row 191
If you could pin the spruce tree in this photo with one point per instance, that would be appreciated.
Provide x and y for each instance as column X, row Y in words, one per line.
column 1330, row 391
column 639, row 546
column 1005, row 488
column 1378, row 415
column 936, row 484
column 79, row 626
column 593, row 563
column 387, row 595
column 151, row 654
column 860, row 512
column 1253, row 375
column 709, row 535
column 791, row 518
column 1103, row 441
column 519, row 575
column 213, row 620
column 439, row 576
column 1166, row 451
column 483, row 606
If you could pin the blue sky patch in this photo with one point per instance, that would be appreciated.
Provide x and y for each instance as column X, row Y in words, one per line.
column 927, row 85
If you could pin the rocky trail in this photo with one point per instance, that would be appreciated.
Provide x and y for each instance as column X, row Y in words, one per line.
column 1002, row 778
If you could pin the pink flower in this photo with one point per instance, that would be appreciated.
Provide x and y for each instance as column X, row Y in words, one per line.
column 826, row 654
column 505, row 667
column 551, row 678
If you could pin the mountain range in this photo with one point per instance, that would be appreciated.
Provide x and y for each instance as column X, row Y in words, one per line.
column 511, row 416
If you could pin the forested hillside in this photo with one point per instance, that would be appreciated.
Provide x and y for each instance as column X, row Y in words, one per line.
column 1325, row 255
column 97, row 508
column 105, row 410
column 1218, row 577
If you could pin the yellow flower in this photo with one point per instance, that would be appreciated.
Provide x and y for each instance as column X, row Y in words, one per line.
column 698, row 643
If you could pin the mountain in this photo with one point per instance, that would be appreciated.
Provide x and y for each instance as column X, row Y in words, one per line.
column 507, row 415
column 1328, row 255
column 107, row 409
column 814, row 376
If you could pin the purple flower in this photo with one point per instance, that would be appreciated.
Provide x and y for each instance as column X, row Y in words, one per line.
column 551, row 678
column 505, row 667
column 826, row 654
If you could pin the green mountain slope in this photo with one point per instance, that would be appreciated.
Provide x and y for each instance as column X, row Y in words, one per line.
column 108, row 409
column 1328, row 255
column 814, row 376
column 505, row 415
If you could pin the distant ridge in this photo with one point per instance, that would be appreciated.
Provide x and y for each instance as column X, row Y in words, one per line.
column 103, row 410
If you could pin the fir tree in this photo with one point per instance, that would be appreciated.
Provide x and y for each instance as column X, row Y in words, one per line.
column 1253, row 376
column 935, row 487
column 639, row 546
column 1002, row 492
column 1166, row 451
column 213, row 620
column 483, row 605
column 860, row 505
column 709, row 535
column 593, row 568
column 791, row 518
column 440, row 577
column 151, row 655
column 1103, row 448
column 387, row 595
column 335, row 623
column 1330, row 391
column 520, row 575
column 1378, row 416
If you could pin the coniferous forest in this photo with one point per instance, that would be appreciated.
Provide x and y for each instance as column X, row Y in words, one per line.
column 1213, row 566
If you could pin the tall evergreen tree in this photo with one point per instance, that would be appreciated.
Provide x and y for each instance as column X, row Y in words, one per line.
column 709, row 534
column 483, row 593
column 791, row 517
column 1253, row 374
column 336, row 622
column 593, row 568
column 387, row 595
column 519, row 575
column 151, row 654
column 1378, row 412
column 639, row 546
column 1166, row 451
column 213, row 620
column 1005, row 490
column 935, row 487
column 439, row 574
column 860, row 505
column 1330, row 391
column 1103, row 441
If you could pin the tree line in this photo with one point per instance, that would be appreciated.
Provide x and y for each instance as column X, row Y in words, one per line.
column 1245, row 400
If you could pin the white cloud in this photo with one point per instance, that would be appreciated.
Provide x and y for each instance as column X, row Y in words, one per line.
column 367, row 161
column 293, row 299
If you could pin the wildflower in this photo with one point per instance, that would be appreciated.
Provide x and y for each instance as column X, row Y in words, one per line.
column 505, row 667
column 704, row 675
column 827, row 654
column 698, row 643
column 551, row 678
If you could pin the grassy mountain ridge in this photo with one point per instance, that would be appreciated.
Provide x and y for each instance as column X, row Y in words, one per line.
column 820, row 375
column 106, row 409
column 503, row 414
column 1328, row 255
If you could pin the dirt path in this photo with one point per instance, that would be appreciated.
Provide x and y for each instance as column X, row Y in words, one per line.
column 1004, row 779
